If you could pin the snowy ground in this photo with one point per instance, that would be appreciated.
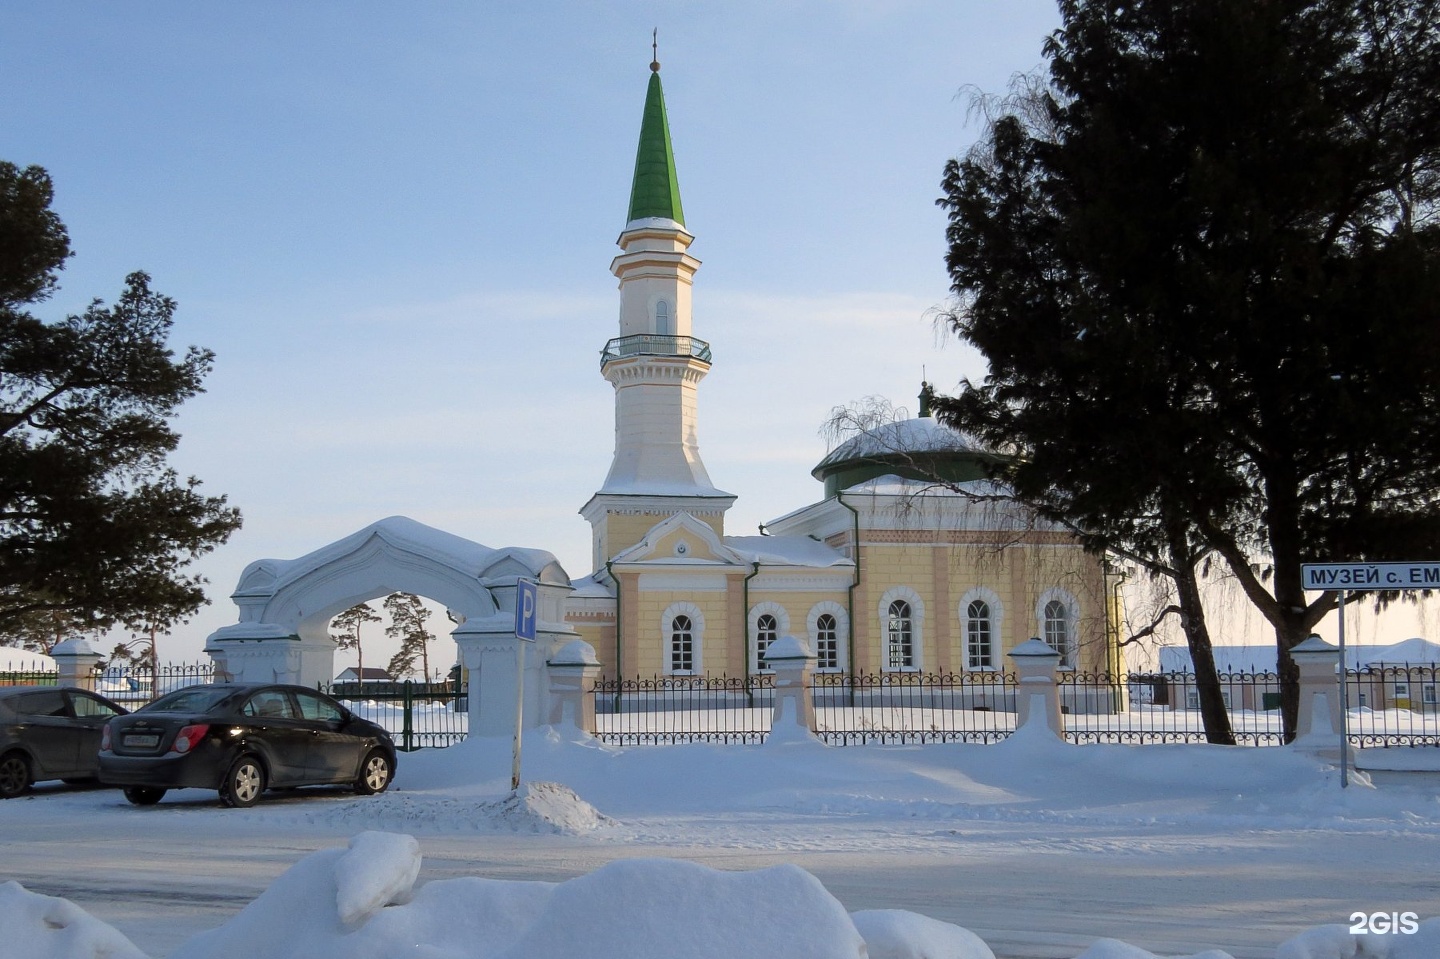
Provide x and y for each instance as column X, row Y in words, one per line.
column 1038, row 848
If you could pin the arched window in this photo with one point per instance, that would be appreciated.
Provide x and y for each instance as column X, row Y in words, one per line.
column 978, row 636
column 827, row 642
column 682, row 645
column 766, row 632
column 1056, row 625
column 682, row 639
column 902, row 617
column 662, row 318
column 828, row 624
column 899, row 636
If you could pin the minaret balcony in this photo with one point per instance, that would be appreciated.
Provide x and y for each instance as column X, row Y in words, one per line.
column 655, row 344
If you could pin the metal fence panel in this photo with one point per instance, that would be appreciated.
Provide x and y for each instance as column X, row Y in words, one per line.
column 1146, row 708
column 895, row 708
column 417, row 715
column 1394, row 705
column 683, row 709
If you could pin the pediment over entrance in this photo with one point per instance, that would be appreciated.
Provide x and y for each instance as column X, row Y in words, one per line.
column 680, row 539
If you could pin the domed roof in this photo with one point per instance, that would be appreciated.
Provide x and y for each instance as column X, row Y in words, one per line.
column 920, row 448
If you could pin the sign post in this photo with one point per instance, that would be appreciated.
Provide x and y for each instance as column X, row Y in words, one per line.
column 1361, row 577
column 525, row 616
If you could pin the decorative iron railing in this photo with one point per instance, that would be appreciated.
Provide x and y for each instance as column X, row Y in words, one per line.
column 1144, row 708
column 417, row 715
column 683, row 709
column 913, row 707
column 654, row 344
column 1394, row 705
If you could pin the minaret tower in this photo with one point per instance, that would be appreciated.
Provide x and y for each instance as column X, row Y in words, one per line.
column 655, row 364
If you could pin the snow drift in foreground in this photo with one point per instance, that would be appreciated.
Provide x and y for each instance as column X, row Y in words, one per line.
column 360, row 903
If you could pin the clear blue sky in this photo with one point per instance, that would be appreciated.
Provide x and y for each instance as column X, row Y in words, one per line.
column 393, row 224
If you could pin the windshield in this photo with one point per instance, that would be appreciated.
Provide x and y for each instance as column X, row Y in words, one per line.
column 198, row 700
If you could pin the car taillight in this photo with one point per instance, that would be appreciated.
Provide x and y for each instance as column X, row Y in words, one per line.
column 189, row 737
column 105, row 738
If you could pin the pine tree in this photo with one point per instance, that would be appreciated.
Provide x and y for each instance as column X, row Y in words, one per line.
column 347, row 633
column 93, row 524
column 1205, row 273
column 408, row 616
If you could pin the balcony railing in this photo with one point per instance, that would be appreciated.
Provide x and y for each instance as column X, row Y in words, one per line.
column 654, row 344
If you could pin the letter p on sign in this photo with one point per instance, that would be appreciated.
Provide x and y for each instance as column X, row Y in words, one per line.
column 525, row 610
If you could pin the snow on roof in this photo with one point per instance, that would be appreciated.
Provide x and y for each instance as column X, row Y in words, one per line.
column 1261, row 659
column 271, row 575
column 787, row 551
column 921, row 435
column 14, row 660
column 892, row 485
column 590, row 587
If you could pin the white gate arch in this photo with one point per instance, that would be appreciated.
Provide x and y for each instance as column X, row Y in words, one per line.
column 286, row 607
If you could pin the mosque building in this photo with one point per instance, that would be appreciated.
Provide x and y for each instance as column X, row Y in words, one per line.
column 912, row 561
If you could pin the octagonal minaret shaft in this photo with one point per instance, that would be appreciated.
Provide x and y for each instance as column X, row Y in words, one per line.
column 656, row 363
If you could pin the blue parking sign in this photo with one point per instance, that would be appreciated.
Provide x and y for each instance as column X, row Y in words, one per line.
column 525, row 610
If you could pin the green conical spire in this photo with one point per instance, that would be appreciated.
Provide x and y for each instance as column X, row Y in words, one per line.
column 656, row 189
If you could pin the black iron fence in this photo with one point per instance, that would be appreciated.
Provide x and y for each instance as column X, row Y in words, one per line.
column 683, row 709
column 1394, row 705
column 417, row 715
column 859, row 708
column 1143, row 708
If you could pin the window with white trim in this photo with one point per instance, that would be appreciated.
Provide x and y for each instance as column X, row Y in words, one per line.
column 1427, row 695
column 828, row 626
column 767, row 630
column 827, row 643
column 978, row 635
column 900, row 636
column 682, row 644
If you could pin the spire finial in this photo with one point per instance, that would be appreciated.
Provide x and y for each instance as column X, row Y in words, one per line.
column 655, row 50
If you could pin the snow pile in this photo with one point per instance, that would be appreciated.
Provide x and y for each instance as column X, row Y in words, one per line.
column 332, row 904
column 1115, row 949
column 42, row 927
column 538, row 807
column 897, row 934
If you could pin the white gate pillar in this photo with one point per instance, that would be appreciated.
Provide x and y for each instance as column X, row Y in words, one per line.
column 1037, row 698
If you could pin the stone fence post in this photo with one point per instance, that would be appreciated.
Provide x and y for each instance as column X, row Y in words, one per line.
column 1037, row 698
column 794, row 716
column 1318, row 725
column 75, row 660
column 573, row 671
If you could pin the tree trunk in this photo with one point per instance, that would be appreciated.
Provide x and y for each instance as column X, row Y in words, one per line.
column 1197, row 636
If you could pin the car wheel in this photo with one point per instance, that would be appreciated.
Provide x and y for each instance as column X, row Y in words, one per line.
column 14, row 775
column 144, row 795
column 375, row 773
column 243, row 783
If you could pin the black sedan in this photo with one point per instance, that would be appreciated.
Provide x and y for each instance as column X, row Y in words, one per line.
column 242, row 739
column 47, row 732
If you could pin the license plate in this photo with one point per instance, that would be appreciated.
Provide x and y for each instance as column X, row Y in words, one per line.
column 149, row 741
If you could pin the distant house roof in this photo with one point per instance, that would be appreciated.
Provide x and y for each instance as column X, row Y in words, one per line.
column 370, row 673
column 1261, row 659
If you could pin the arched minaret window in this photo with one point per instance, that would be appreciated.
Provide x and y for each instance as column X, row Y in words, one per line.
column 662, row 319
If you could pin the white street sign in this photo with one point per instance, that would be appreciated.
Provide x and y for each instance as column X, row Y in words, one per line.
column 1357, row 577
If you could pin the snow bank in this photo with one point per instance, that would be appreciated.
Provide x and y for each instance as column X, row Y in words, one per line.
column 332, row 904
column 897, row 934
column 1115, row 949
column 538, row 807
column 42, row 927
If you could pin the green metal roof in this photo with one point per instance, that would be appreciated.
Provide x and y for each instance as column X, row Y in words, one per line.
column 656, row 189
